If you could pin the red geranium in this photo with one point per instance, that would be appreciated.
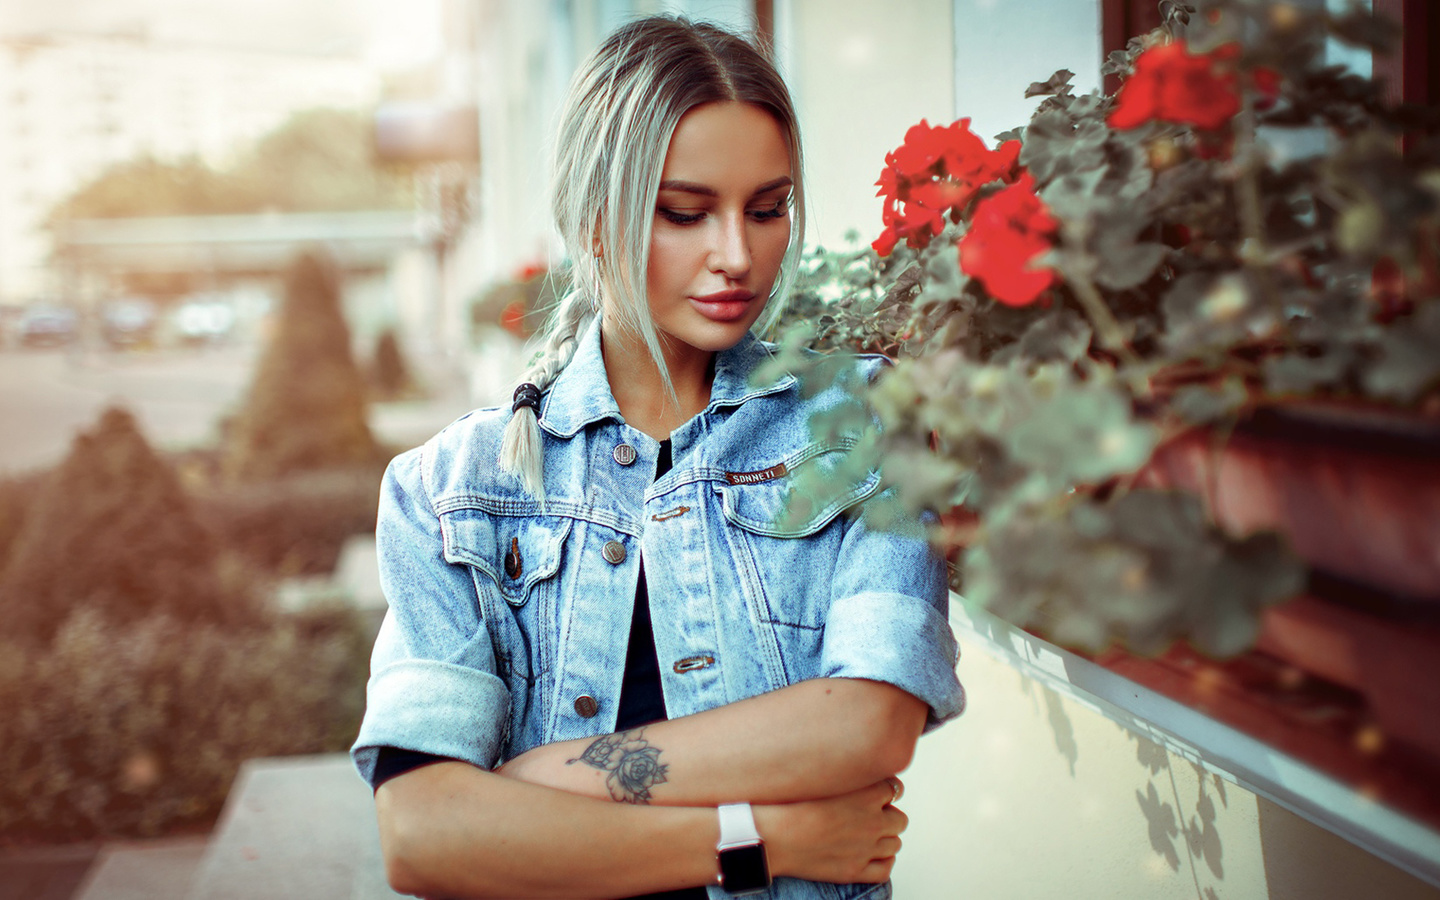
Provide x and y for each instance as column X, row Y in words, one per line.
column 1173, row 85
column 936, row 170
column 512, row 318
column 1010, row 229
column 529, row 271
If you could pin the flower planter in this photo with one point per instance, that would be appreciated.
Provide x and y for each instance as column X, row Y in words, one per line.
column 1357, row 493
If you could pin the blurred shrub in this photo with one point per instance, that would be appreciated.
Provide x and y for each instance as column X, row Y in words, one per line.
column 139, row 729
column 16, row 495
column 294, row 525
column 390, row 375
column 305, row 408
column 111, row 529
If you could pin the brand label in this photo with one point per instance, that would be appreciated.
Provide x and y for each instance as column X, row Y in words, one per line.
column 770, row 474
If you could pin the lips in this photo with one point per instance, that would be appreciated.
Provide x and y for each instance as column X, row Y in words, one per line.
column 723, row 306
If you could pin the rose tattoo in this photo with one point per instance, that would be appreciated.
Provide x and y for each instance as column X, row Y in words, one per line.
column 633, row 765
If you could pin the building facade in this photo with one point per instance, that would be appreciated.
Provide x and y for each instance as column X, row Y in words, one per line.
column 73, row 104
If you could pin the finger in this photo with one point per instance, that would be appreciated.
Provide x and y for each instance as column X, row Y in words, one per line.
column 887, row 846
column 877, row 870
column 883, row 789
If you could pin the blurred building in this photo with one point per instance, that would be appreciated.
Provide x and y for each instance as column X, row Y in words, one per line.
column 73, row 104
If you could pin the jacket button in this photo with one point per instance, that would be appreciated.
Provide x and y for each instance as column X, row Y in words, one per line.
column 586, row 706
column 624, row 454
column 614, row 552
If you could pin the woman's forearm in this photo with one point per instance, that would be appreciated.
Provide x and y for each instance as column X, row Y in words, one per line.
column 452, row 830
column 818, row 738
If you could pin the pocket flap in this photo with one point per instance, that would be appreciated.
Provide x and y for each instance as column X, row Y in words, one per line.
column 774, row 508
column 515, row 551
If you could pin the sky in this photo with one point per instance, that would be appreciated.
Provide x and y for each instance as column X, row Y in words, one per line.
column 392, row 33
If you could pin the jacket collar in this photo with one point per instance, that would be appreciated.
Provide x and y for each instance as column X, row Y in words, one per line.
column 580, row 394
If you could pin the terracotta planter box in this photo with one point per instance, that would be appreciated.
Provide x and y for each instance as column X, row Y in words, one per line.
column 1357, row 493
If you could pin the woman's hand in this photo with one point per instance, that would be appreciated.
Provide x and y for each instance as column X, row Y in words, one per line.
column 852, row 838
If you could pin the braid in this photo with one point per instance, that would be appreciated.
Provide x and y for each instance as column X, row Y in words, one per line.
column 521, row 450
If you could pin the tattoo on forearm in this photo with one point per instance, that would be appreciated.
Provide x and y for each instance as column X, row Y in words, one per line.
column 633, row 765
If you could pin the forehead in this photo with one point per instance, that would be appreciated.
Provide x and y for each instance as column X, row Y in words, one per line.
column 729, row 145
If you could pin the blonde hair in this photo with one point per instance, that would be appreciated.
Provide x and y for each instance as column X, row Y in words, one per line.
column 615, row 129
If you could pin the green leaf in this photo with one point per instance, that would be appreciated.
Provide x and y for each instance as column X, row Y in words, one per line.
column 1203, row 404
column 1082, row 434
column 1061, row 336
column 1408, row 362
column 1296, row 374
column 1124, row 264
column 1057, row 85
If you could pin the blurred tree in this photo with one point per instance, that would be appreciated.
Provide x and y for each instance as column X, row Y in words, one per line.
column 319, row 160
column 305, row 410
column 390, row 376
column 111, row 530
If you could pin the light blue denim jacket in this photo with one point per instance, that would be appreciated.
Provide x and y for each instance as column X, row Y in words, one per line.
column 481, row 659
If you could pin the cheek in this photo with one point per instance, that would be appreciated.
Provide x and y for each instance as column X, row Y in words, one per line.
column 670, row 259
column 772, row 245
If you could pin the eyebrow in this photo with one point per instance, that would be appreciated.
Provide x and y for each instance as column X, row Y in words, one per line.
column 690, row 187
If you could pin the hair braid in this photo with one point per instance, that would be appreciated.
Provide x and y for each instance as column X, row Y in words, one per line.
column 521, row 450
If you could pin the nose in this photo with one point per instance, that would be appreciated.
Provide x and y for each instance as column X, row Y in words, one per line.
column 730, row 252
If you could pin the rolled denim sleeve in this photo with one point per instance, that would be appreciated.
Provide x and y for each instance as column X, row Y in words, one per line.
column 432, row 687
column 888, row 619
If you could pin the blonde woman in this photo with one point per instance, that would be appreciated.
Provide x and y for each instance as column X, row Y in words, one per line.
column 610, row 666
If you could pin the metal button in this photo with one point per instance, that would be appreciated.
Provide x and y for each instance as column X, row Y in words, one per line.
column 586, row 706
column 614, row 552
column 624, row 454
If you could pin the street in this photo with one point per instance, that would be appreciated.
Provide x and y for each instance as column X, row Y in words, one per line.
column 178, row 397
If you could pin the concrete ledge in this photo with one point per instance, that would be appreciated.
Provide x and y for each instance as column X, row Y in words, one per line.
column 295, row 827
column 144, row 870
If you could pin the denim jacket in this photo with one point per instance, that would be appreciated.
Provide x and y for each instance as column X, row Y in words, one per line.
column 508, row 621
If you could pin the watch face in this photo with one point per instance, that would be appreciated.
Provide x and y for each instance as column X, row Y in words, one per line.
column 743, row 869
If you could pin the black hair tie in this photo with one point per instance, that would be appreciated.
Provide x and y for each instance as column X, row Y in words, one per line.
column 526, row 394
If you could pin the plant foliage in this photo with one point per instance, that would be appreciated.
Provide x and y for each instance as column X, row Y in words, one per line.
column 306, row 407
column 111, row 529
column 1240, row 224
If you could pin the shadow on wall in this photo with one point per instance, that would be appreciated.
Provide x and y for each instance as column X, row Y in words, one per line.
column 1173, row 824
column 1199, row 834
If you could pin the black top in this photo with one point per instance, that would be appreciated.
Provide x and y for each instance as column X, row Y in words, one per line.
column 642, row 701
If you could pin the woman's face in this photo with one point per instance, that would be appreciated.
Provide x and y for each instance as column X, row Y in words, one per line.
column 722, row 223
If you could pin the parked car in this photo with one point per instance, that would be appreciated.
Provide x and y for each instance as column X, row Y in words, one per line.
column 47, row 325
column 128, row 322
column 204, row 320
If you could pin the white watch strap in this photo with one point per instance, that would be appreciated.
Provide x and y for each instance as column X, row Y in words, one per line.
column 737, row 825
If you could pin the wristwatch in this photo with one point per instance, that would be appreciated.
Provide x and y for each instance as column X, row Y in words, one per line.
column 743, row 866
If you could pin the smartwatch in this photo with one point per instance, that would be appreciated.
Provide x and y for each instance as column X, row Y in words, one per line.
column 743, row 866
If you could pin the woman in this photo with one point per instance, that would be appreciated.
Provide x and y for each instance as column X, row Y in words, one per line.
column 618, row 610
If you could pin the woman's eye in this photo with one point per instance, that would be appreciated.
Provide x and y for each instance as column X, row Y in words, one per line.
column 771, row 212
column 676, row 217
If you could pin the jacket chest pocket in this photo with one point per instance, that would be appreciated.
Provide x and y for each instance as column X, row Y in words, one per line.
column 518, row 553
column 780, row 528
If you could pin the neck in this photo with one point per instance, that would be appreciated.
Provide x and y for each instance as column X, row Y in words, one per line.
column 639, row 389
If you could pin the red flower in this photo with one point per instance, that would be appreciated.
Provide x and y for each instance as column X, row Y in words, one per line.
column 512, row 318
column 1010, row 229
column 937, row 170
column 1172, row 85
column 529, row 271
